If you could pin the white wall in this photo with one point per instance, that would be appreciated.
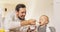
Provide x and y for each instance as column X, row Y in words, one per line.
column 56, row 17
column 40, row 7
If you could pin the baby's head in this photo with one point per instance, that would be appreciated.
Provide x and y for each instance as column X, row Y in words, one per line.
column 43, row 20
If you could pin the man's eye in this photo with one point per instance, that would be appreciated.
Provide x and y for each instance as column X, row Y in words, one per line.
column 24, row 12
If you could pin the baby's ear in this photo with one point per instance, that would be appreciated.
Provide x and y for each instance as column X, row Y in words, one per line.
column 39, row 22
column 47, row 22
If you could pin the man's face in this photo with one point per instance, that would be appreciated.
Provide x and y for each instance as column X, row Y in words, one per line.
column 21, row 14
column 43, row 20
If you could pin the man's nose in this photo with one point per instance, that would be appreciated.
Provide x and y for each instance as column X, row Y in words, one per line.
column 24, row 13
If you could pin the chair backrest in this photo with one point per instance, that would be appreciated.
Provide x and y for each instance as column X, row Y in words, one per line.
column 52, row 29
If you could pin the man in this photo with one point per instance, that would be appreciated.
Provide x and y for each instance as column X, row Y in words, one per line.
column 44, row 20
column 16, row 19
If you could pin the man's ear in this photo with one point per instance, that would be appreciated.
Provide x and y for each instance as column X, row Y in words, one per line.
column 17, row 12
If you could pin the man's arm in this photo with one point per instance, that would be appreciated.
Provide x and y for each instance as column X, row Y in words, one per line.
column 24, row 23
column 28, row 22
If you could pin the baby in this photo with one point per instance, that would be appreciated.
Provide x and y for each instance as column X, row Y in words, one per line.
column 43, row 21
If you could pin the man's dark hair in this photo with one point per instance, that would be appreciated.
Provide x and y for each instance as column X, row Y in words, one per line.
column 19, row 6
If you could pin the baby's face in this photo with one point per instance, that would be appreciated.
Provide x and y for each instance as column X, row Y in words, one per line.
column 43, row 20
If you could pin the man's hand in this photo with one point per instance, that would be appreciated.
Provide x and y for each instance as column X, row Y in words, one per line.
column 32, row 21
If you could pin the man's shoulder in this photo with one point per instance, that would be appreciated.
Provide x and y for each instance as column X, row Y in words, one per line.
column 11, row 14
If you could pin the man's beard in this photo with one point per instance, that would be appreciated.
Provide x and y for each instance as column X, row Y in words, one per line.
column 21, row 18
